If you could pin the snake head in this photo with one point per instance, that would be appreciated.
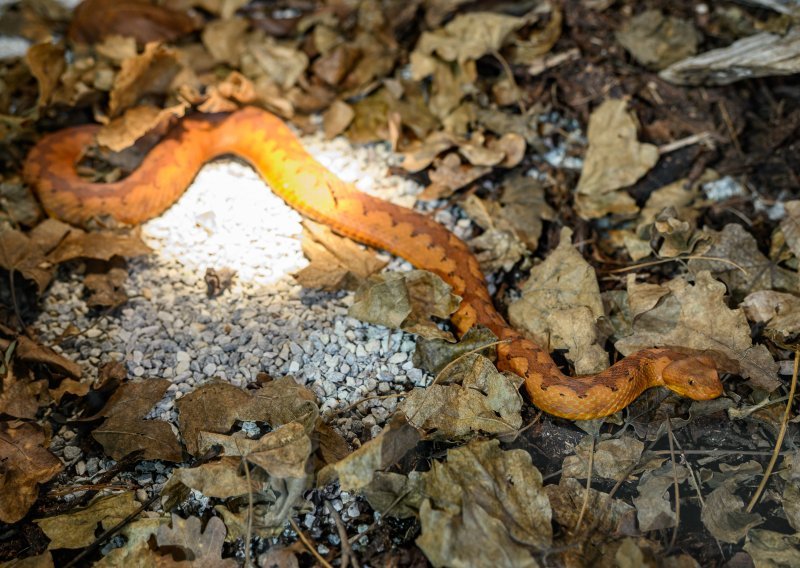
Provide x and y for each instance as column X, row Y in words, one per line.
column 694, row 377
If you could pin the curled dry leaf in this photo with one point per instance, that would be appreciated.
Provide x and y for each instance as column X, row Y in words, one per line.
column 470, row 396
column 77, row 528
column 20, row 206
column 449, row 174
column 357, row 469
column 680, row 314
column 30, row 352
column 26, row 464
column 614, row 160
column 281, row 64
column 125, row 430
column 136, row 551
column 561, row 307
column 484, row 506
column 406, row 300
column 151, row 72
column 46, row 63
column 336, row 262
column 122, row 132
column 779, row 311
column 337, row 118
column 203, row 547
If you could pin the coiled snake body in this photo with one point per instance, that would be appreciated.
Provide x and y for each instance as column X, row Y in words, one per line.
column 269, row 145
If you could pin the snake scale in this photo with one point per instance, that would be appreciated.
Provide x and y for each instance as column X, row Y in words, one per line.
column 267, row 143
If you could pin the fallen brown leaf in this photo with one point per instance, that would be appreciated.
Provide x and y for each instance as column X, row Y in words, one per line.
column 22, row 255
column 406, row 300
column 46, row 63
column 614, row 160
column 93, row 20
column 26, row 464
column 151, row 72
column 201, row 548
column 76, row 529
column 696, row 316
column 779, row 311
column 335, row 262
column 123, row 131
column 99, row 245
column 125, row 430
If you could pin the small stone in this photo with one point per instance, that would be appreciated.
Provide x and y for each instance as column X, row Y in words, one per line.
column 80, row 467
column 71, row 452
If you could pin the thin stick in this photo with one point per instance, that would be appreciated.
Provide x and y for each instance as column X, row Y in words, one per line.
column 585, row 504
column 683, row 142
column 781, row 434
column 249, row 530
column 346, row 551
column 675, row 485
column 308, row 544
column 665, row 260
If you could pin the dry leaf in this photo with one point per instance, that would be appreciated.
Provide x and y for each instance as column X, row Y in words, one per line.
column 608, row 514
column 224, row 40
column 219, row 479
column 77, row 528
column 335, row 262
column 612, row 458
column 406, row 300
column 136, row 550
column 100, row 245
column 614, row 160
column 151, row 72
column 419, row 157
column 202, row 548
column 724, row 516
column 433, row 354
column 337, row 118
column 657, row 41
column 769, row 549
column 19, row 203
column 654, row 509
column 26, row 464
column 743, row 267
column 125, row 430
column 697, row 317
column 470, row 396
column 22, row 255
column 357, row 469
column 469, row 36
column 780, row 312
column 215, row 407
column 449, row 174
column 30, row 352
column 106, row 287
column 394, row 494
column 790, row 226
column 93, row 20
column 122, row 132
column 282, row 64
column 46, row 63
column 561, row 306
column 483, row 505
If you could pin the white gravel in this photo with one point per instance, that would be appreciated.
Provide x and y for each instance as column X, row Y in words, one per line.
column 266, row 322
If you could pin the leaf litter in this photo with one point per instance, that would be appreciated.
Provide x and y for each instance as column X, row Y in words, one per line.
column 471, row 113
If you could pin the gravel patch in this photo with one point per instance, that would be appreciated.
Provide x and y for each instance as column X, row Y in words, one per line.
column 265, row 322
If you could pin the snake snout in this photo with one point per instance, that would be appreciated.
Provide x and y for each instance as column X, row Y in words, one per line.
column 693, row 377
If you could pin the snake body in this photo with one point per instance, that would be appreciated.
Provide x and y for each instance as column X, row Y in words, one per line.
column 267, row 143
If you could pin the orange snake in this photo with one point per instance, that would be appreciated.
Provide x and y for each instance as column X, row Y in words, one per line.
column 267, row 143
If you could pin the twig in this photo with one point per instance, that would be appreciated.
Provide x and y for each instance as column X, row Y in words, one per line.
column 308, row 544
column 665, row 260
column 781, row 434
column 588, row 488
column 249, row 529
column 699, row 138
column 670, row 437
column 507, row 70
column 346, row 551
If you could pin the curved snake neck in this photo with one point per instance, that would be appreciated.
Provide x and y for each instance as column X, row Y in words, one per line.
column 274, row 151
